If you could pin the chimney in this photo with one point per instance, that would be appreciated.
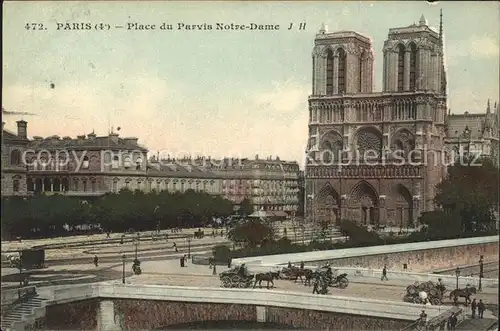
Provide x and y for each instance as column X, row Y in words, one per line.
column 22, row 129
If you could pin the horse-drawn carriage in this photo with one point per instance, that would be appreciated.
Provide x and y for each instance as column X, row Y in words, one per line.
column 321, row 274
column 433, row 293
column 235, row 278
column 240, row 277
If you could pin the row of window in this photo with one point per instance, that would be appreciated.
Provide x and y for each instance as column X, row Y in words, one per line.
column 366, row 113
column 413, row 67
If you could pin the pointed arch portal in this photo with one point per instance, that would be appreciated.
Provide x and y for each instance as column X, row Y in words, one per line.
column 328, row 205
column 364, row 203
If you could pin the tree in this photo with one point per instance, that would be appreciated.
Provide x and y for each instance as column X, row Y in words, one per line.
column 246, row 207
column 359, row 235
column 251, row 233
column 469, row 193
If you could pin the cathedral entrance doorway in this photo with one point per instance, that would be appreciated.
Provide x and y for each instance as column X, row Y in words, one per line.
column 404, row 207
column 363, row 204
column 328, row 205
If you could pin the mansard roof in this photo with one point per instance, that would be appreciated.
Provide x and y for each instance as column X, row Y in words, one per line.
column 90, row 142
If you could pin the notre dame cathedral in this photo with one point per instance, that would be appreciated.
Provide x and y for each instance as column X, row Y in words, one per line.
column 352, row 171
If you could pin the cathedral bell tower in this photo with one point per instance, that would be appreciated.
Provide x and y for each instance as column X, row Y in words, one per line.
column 342, row 63
column 413, row 59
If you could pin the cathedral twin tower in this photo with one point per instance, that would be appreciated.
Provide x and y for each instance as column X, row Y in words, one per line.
column 413, row 61
column 347, row 119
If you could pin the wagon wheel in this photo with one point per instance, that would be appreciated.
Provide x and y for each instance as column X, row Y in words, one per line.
column 436, row 301
column 235, row 279
column 344, row 282
column 416, row 299
column 226, row 282
column 411, row 290
column 433, row 292
column 242, row 284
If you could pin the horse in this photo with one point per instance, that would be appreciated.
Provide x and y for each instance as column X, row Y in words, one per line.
column 463, row 293
column 266, row 276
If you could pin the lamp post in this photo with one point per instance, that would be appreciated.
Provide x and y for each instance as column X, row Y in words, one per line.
column 481, row 270
column 189, row 246
column 123, row 271
column 457, row 273
column 136, row 242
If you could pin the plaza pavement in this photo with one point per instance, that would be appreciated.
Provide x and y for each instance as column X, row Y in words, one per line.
column 170, row 273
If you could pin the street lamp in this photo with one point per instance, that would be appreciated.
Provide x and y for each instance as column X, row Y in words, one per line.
column 189, row 246
column 481, row 270
column 136, row 242
column 457, row 273
column 123, row 271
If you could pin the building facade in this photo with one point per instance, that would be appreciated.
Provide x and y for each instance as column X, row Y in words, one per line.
column 270, row 184
column 91, row 165
column 474, row 133
column 374, row 157
column 13, row 169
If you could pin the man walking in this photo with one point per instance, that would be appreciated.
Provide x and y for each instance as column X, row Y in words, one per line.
column 384, row 274
column 481, row 308
column 473, row 307
column 452, row 322
column 96, row 260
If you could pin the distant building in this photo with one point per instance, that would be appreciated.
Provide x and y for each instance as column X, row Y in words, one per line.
column 474, row 133
column 13, row 168
column 270, row 184
column 91, row 165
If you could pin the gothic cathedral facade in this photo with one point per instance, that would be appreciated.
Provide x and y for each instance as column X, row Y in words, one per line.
column 375, row 157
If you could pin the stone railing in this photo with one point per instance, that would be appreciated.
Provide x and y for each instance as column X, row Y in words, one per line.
column 441, row 322
column 448, row 280
column 362, row 251
column 256, row 297
column 10, row 296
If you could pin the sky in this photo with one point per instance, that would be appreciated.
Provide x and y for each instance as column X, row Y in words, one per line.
column 212, row 93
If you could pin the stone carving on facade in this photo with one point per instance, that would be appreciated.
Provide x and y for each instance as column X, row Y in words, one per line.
column 382, row 201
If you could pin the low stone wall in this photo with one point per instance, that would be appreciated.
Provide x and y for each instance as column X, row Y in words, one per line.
column 112, row 307
column 154, row 315
column 418, row 257
column 77, row 315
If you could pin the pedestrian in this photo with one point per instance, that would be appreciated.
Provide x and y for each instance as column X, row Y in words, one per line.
column 229, row 260
column 302, row 265
column 182, row 261
column 452, row 321
column 473, row 307
column 96, row 261
column 185, row 259
column 384, row 274
column 481, row 308
column 423, row 318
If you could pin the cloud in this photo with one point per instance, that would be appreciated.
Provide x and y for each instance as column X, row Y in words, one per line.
column 475, row 46
column 170, row 118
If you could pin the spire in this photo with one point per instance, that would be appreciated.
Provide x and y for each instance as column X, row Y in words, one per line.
column 488, row 108
column 323, row 28
column 444, row 80
column 422, row 21
column 440, row 28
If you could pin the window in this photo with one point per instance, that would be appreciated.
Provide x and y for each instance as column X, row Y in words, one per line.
column 127, row 163
column 413, row 66
column 401, row 67
column 93, row 186
column 329, row 72
column 115, row 186
column 84, row 186
column 15, row 185
column 116, row 162
column 85, row 163
column 342, row 71
column 360, row 77
column 15, row 157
